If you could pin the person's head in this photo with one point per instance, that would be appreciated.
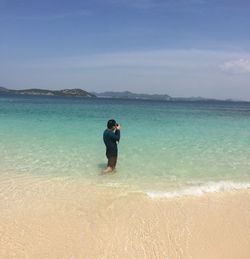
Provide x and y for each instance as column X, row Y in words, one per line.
column 111, row 124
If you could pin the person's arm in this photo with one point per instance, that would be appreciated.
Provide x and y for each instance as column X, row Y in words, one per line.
column 115, row 135
column 118, row 134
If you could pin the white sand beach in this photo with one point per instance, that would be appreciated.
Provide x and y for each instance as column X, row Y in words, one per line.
column 67, row 219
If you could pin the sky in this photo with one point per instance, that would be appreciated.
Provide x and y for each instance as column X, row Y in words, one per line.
column 182, row 48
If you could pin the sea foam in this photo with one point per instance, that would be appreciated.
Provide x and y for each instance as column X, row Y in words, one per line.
column 199, row 190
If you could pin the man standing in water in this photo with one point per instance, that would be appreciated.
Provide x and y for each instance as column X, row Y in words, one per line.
column 110, row 137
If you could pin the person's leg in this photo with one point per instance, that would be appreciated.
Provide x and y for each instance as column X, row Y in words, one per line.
column 111, row 164
column 108, row 169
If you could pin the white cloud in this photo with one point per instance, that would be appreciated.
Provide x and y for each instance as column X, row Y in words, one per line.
column 238, row 66
column 169, row 58
column 178, row 72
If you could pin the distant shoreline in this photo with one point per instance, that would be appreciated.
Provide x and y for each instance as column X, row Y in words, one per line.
column 125, row 95
column 35, row 91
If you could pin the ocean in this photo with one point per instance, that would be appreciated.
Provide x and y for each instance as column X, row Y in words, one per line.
column 166, row 148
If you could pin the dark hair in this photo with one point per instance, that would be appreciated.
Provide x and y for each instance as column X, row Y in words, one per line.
column 111, row 124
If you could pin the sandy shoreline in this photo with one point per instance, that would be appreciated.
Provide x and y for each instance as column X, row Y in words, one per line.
column 55, row 219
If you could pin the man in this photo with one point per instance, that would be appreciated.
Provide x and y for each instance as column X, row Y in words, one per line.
column 110, row 137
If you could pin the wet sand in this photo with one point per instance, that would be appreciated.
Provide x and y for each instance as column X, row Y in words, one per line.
column 58, row 218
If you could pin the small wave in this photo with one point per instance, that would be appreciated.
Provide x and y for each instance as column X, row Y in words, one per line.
column 200, row 190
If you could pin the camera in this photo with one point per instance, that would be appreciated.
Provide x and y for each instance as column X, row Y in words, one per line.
column 117, row 125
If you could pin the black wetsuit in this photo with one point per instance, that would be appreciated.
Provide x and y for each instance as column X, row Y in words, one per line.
column 110, row 139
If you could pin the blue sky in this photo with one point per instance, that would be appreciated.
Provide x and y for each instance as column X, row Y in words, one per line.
column 181, row 48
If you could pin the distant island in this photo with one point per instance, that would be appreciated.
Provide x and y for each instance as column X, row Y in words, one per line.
column 77, row 92
column 130, row 95
column 34, row 91
column 159, row 97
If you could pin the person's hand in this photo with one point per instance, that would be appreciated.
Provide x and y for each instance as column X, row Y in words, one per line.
column 118, row 126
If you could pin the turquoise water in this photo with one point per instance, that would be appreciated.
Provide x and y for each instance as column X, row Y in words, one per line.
column 164, row 145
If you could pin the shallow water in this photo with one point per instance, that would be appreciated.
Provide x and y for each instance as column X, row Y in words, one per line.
column 165, row 146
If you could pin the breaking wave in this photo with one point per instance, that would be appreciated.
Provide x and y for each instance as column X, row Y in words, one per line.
column 199, row 190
